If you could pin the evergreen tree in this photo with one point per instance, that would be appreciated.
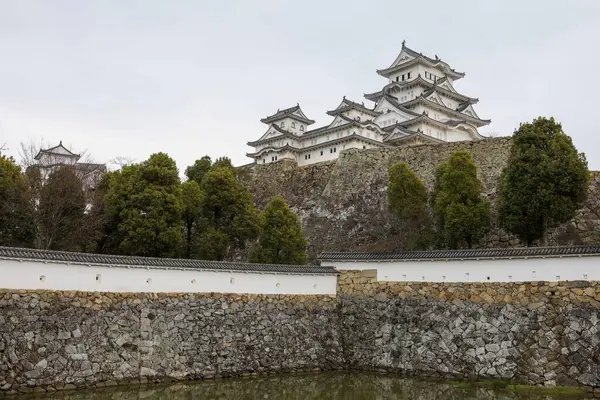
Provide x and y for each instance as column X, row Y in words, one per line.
column 197, row 171
column 407, row 200
column 144, row 203
column 17, row 219
column 544, row 183
column 229, row 212
column 462, row 213
column 61, row 211
column 192, row 212
column 281, row 240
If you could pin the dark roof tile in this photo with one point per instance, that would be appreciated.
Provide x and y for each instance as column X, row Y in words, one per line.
column 526, row 252
column 151, row 262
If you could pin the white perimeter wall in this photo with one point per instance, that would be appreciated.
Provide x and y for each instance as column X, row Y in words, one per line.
column 34, row 275
column 515, row 270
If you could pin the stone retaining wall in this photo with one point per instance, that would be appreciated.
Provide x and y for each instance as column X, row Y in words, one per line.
column 56, row 340
column 534, row 332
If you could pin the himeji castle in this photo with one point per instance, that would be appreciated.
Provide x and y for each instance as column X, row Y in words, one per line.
column 418, row 105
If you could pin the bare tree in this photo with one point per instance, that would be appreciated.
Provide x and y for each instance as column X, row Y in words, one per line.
column 3, row 147
column 122, row 161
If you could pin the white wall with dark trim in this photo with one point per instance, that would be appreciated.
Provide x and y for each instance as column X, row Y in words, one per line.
column 482, row 270
column 40, row 275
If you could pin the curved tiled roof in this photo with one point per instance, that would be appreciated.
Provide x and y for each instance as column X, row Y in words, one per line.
column 288, row 112
column 152, row 262
column 474, row 254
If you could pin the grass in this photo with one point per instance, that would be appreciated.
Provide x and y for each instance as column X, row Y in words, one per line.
column 505, row 385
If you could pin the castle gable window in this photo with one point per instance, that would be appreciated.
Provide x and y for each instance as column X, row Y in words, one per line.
column 293, row 125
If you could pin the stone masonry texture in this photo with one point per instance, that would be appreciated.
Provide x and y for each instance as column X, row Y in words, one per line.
column 531, row 332
column 58, row 340
column 343, row 204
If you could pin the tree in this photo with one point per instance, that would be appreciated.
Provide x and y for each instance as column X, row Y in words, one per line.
column 197, row 171
column 223, row 162
column 544, row 183
column 229, row 211
column 17, row 220
column 144, row 204
column 407, row 200
column 462, row 213
column 192, row 213
column 61, row 210
column 281, row 240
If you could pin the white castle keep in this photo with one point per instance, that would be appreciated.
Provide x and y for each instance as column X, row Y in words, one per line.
column 419, row 105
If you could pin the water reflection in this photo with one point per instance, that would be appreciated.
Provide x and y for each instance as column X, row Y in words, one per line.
column 325, row 386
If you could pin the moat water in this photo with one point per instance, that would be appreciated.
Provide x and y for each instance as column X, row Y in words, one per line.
column 324, row 386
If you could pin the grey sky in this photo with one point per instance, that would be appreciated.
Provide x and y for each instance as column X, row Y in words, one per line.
column 191, row 77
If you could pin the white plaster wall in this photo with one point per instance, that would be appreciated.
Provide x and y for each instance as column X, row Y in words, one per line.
column 291, row 125
column 34, row 275
column 515, row 270
column 455, row 135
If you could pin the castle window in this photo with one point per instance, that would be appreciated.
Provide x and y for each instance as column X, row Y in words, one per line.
column 358, row 119
column 364, row 147
column 275, row 158
column 321, row 153
column 282, row 124
column 402, row 76
column 302, row 128
column 264, row 160
column 293, row 125
column 397, row 78
column 335, row 149
column 409, row 75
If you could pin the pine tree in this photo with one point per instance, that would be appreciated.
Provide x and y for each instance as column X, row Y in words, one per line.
column 17, row 219
column 407, row 201
column 281, row 240
column 544, row 183
column 462, row 213
column 61, row 212
column 144, row 203
column 197, row 171
column 229, row 213
column 192, row 216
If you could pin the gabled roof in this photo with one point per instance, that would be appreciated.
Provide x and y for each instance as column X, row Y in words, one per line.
column 14, row 253
column 419, row 80
column 292, row 112
column 473, row 120
column 346, row 105
column 415, row 58
column 427, row 119
column 472, row 254
column 400, row 107
column 395, row 137
column 283, row 133
column 58, row 150
column 88, row 168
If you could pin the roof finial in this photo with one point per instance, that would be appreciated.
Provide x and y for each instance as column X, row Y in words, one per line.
column 60, row 143
column 436, row 57
column 404, row 43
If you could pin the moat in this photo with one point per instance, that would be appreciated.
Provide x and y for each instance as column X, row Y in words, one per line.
column 322, row 386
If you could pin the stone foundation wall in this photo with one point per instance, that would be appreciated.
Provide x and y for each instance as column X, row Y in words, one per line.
column 56, row 340
column 534, row 332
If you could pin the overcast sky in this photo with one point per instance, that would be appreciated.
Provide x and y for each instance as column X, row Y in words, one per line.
column 192, row 77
